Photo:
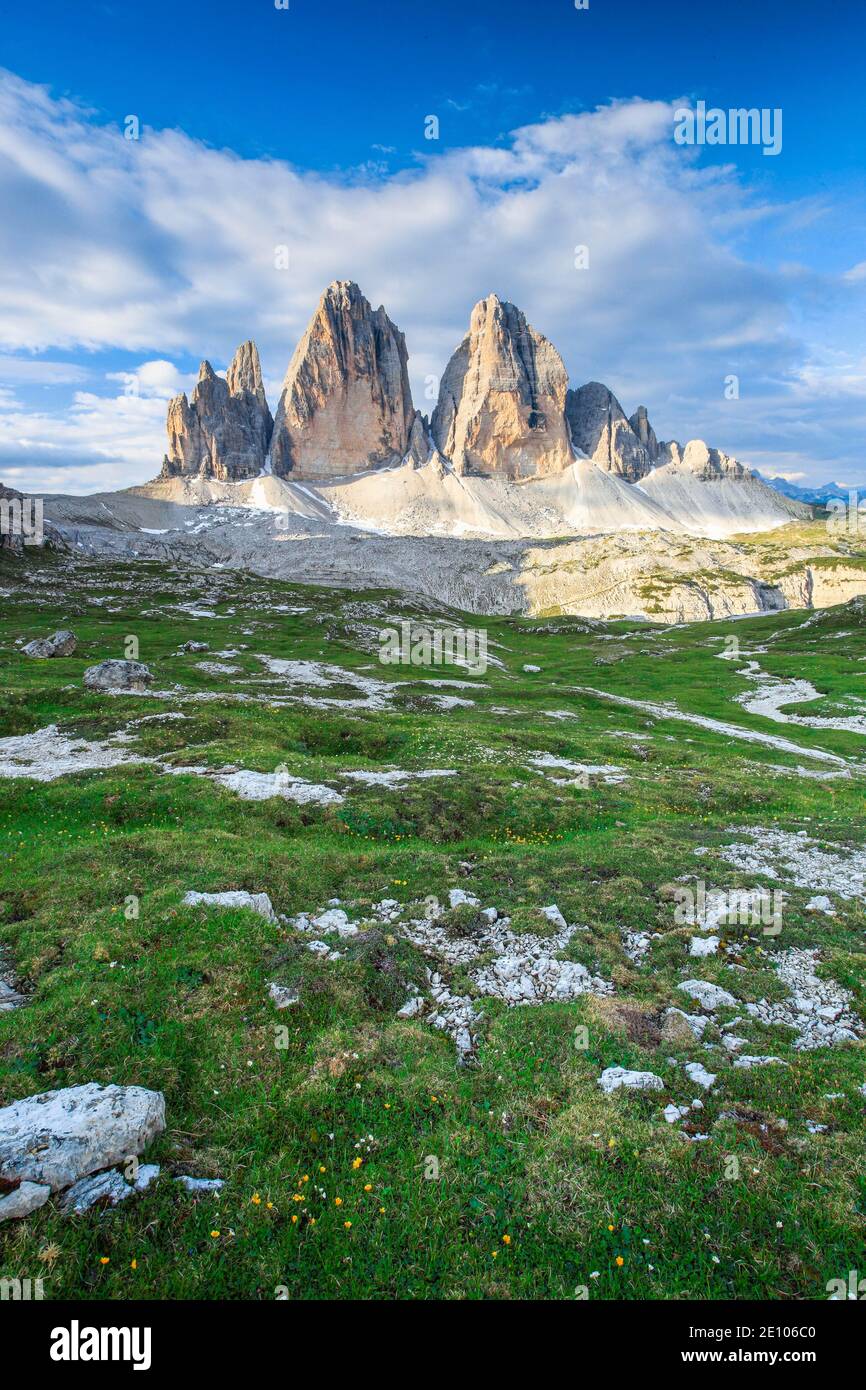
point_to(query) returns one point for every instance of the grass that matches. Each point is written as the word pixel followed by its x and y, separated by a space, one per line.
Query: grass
pixel 125 984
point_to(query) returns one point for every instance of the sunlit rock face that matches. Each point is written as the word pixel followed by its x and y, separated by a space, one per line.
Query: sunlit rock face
pixel 501 407
pixel 700 461
pixel 346 405
pixel 225 429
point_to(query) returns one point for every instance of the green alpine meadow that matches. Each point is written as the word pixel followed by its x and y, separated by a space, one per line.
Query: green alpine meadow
pixel 409 1072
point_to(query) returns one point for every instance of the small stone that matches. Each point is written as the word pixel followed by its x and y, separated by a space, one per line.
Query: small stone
pixel 680 1027
pixel 708 995
pixel 748 1061
pixel 61 643
pixel 820 903
pixel 9 998
pixel 412 1007
pixel 282 996
pixel 109 1188
pixel 612 1078
pixel 697 1072
pixel 553 914
pixel 199 1184
pixel 457 897
pixel 147 1173
pixel 672 1113
pixel 27 1197
pixel 254 902
pixel 118 675
pixel 335 920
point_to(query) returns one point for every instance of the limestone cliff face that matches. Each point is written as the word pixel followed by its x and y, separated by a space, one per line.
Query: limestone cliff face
pixel 225 429
pixel 599 427
pixel 501 407
pixel 346 405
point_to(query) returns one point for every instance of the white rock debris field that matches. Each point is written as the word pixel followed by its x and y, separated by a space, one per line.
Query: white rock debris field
pixel 524 969
pixel 515 968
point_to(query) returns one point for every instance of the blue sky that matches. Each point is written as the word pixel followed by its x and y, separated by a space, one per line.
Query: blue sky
pixel 125 262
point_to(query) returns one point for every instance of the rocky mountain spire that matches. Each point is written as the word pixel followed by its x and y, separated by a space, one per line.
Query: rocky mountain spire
pixel 599 427
pixel 244 376
pixel 224 430
pixel 504 408
pixel 502 398
pixel 346 405
pixel 646 434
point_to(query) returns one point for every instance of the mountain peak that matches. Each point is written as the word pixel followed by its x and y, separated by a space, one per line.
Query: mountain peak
pixel 501 407
pixel 600 429
pixel 245 373
pixel 646 434
pixel 346 404
pixel 224 429
pixel 504 407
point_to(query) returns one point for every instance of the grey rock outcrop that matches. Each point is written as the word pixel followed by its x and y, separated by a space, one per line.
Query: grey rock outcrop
pixel 419 447
pixel 224 430
pixel 118 675
pixel 501 407
pixel 62 643
pixel 645 433
pixel 346 405
pixel 600 429
pixel 57 1138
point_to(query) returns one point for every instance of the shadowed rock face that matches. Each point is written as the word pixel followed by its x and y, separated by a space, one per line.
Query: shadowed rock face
pixel 646 434
pixel 346 404
pixel 224 430
pixel 502 398
pixel 599 427
pixel 419 448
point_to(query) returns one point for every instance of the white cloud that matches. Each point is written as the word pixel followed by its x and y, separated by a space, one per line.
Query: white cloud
pixel 158 379
pixel 98 444
pixel 165 247
pixel 38 371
